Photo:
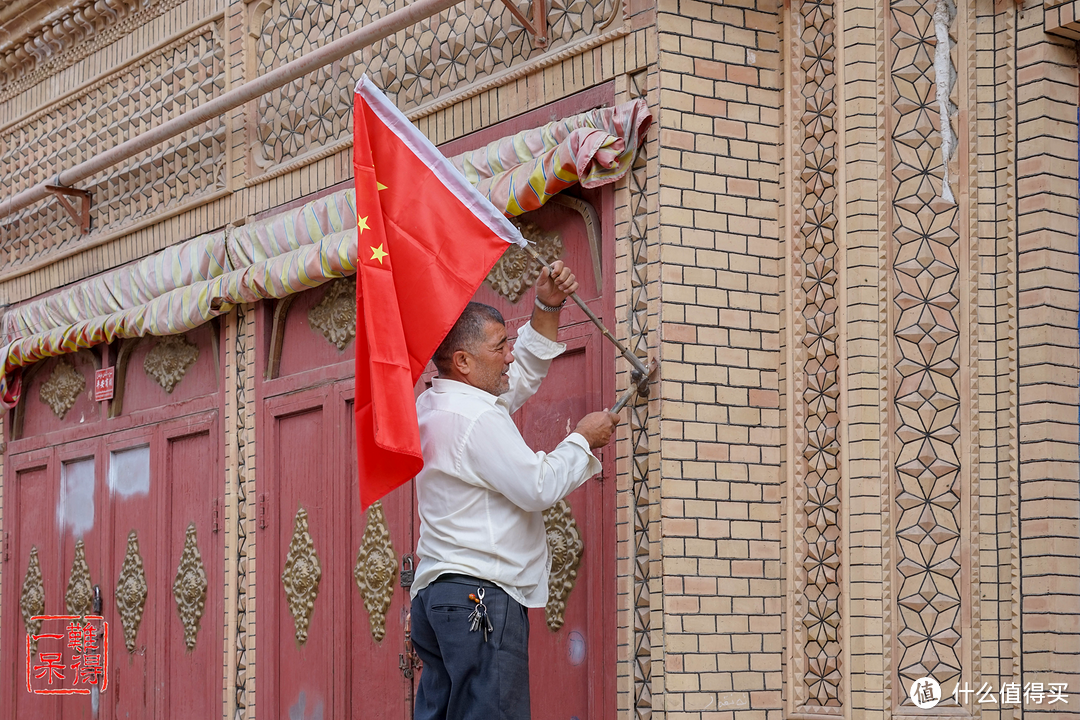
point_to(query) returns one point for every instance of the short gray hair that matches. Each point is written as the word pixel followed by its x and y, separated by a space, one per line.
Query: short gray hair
pixel 469 330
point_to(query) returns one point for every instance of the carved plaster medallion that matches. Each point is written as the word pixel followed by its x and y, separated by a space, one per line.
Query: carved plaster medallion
pixel 170 360
pixel 62 388
pixel 189 588
pixel 516 271
pixel 80 593
pixel 301 576
pixel 376 568
pixel 565 546
pixel 335 315
pixel 131 591
pixel 32 601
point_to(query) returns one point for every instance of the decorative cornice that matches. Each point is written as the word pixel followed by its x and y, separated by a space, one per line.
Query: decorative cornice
pixel 65 40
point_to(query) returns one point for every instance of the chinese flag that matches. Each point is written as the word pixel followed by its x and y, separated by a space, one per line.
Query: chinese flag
pixel 426 239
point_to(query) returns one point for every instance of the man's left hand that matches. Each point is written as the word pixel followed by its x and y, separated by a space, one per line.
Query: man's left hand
pixel 553 288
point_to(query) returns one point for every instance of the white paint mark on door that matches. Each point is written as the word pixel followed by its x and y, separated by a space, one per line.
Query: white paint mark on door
pixel 76 507
pixel 129 472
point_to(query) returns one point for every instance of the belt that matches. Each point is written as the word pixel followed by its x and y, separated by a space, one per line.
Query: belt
pixel 459 579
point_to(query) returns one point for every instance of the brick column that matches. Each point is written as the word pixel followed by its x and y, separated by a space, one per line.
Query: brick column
pixel 720 434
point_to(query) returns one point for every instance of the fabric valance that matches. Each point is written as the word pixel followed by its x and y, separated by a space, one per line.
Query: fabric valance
pixel 184 286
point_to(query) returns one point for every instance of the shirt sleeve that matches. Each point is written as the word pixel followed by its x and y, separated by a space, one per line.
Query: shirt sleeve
pixel 496 456
pixel 533 354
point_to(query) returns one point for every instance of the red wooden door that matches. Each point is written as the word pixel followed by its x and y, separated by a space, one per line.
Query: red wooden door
pixel 348 664
pixel 346 660
pixel 107 504
pixel 572 659
pixel 340 660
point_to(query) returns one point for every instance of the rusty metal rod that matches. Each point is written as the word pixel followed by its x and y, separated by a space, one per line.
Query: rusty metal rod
pixel 624 398
pixel 353 42
pixel 633 359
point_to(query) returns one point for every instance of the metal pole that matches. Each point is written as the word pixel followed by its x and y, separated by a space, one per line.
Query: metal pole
pixel 633 359
pixel 353 42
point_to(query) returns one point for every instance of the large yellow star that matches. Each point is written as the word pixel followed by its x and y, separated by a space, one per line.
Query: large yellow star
pixel 379 185
pixel 361 224
pixel 377 253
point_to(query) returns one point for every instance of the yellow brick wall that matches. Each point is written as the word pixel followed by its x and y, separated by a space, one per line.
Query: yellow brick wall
pixel 720 426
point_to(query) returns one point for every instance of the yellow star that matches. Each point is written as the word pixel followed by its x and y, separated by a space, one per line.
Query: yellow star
pixel 379 185
pixel 361 224
pixel 377 253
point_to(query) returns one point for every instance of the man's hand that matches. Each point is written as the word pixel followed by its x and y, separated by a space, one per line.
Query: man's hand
pixel 553 288
pixel 597 428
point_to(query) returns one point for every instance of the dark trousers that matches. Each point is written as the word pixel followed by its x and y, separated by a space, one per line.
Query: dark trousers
pixel 465 678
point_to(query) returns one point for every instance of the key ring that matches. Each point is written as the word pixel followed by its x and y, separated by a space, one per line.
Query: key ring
pixel 480 595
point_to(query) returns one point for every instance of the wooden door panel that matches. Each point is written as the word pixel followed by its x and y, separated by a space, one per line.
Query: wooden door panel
pixel 191 687
pixel 30 502
pixel 37 417
pixel 133 501
pixel 297 465
pixel 378 688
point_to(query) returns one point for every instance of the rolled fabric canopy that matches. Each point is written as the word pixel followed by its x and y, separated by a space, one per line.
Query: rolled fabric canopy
pixel 521 172
pixel 325 249
pixel 182 287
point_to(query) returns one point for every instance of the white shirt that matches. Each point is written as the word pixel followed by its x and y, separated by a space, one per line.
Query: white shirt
pixel 482 490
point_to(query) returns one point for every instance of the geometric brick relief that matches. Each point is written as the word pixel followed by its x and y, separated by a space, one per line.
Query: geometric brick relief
pixel 641 495
pixel 170 81
pixel 817 531
pixel 438 55
pixel 925 252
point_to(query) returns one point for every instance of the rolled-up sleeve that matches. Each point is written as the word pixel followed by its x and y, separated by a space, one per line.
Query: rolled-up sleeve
pixel 495 456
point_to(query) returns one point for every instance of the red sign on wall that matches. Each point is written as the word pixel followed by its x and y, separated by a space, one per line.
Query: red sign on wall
pixel 103 384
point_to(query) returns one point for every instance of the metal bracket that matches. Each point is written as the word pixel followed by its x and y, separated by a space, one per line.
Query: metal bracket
pixel 538 27
pixel 80 215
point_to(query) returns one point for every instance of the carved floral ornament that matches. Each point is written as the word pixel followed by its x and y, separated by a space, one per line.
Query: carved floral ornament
pixel 565 547
pixel 376 568
pixel 335 315
pixel 79 598
pixel 170 359
pixel 32 601
pixel 131 591
pixel 189 587
pixel 516 271
pixel 301 576
pixel 63 387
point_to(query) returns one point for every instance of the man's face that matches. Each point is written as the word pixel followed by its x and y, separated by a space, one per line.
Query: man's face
pixel 492 359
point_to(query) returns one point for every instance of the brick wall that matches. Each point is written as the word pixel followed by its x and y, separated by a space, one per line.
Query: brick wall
pixel 720 433
pixel 1046 182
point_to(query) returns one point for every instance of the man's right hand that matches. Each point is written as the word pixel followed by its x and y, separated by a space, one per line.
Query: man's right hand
pixel 597 428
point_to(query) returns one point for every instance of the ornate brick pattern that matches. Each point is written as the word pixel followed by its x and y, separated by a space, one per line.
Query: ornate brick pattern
pixel 817 390
pixel 244 357
pixel 446 52
pixel 926 393
pixel 638 319
pixel 181 76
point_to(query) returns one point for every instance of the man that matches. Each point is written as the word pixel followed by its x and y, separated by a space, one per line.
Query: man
pixel 481 494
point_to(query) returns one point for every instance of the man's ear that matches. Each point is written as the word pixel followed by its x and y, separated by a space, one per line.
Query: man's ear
pixel 460 360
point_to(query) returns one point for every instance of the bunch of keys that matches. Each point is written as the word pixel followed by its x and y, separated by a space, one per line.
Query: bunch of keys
pixel 479 617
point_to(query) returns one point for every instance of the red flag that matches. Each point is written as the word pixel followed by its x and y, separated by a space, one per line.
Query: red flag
pixel 426 239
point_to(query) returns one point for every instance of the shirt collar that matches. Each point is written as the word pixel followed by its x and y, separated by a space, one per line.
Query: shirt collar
pixel 446 386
